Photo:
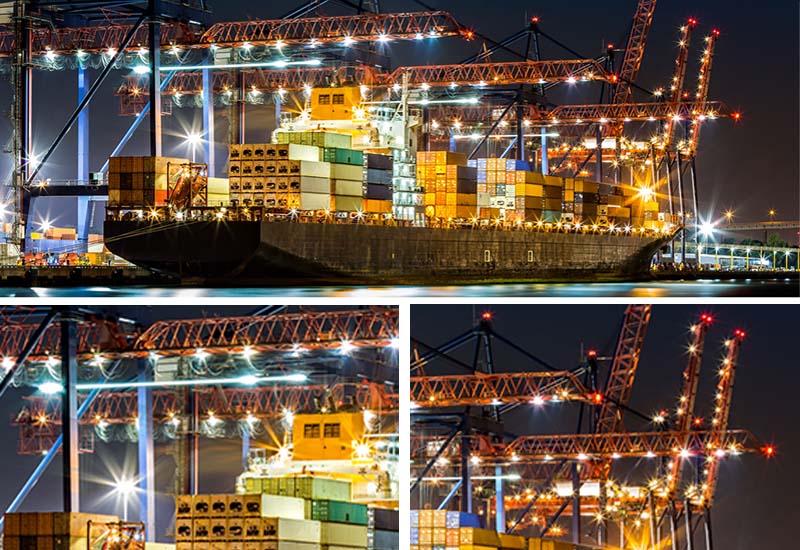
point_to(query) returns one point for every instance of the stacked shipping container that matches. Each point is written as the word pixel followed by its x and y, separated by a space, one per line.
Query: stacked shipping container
pixel 50 530
pixel 450 185
pixel 139 181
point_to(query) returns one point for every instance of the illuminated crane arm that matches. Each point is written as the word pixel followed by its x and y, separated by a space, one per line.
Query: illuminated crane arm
pixel 372 27
pixel 678 77
pixel 684 412
pixel 715 446
pixel 495 389
pixel 634 50
pixel 499 74
pixel 623 368
pixel 701 95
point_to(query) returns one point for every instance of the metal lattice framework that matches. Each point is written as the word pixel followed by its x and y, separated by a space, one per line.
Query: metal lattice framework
pixel 93 336
pixel 684 412
pixel 623 368
pixel 495 389
pixel 544 448
pixel 634 444
pixel 703 79
pixel 366 27
pixel 634 50
pixel 93 39
pixel 225 403
pixel 719 421
pixel 498 74
pixel 627 112
pixel 679 75
pixel 325 330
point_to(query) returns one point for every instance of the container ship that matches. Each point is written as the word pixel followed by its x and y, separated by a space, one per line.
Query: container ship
pixel 341 195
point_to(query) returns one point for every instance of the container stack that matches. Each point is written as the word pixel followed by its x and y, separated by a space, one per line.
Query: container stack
pixel 317 138
pixel 50 530
pixel 383 529
pixel 311 513
pixel 139 181
pixel 508 189
pixel 282 176
pixel 377 188
pixel 451 186
pixel 347 173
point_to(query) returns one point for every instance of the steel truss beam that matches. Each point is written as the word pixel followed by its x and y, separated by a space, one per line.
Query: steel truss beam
pixel 634 50
pixel 368 328
pixel 364 27
pixel 495 389
pixel 41 416
pixel 543 448
pixel 623 369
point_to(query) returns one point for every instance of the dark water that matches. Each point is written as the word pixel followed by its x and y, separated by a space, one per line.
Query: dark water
pixel 709 288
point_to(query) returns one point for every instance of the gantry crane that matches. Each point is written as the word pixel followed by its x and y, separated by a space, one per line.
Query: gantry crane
pixel 542 459
pixel 353 343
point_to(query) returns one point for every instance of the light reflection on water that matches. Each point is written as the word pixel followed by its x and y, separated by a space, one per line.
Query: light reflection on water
pixel 702 289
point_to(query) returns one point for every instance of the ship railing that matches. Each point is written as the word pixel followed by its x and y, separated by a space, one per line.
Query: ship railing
pixel 258 213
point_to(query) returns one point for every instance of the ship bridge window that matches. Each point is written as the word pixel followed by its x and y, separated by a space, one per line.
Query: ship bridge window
pixel 324 99
pixel 311 431
pixel 332 430
pixel 338 99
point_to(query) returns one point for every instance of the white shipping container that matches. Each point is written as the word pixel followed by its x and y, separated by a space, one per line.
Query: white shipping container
pixel 347 172
pixel 274 506
pixel 297 530
pixel 334 547
pixel 218 185
pixel 303 152
pixel 352 188
pixel 315 168
pixel 343 534
pixel 484 199
pixel 315 201
pixel 311 184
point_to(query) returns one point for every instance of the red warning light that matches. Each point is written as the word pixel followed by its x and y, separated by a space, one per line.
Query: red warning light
pixel 706 318
pixel 592 353
pixel 469 35
pixel 486 316
pixel 535 19
pixel 610 47
pixel 715 32
pixel 739 333
pixel 698 421
pixel 737 116
pixel 614 78
pixel 692 21
pixel 597 397
pixel 769 451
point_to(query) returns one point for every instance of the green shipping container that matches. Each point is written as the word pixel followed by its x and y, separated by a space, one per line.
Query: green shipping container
pixel 339 512
pixel 343 156
pixel 252 485
pixel 319 488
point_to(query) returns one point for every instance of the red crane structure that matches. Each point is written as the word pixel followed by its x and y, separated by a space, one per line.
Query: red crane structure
pixel 537 462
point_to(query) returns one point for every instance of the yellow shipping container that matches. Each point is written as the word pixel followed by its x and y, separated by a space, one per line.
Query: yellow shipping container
pixel 511 542
pixel 426 518
pixel 472 535
pixel 426 535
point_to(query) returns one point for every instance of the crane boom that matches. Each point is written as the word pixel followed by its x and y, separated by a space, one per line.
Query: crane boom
pixel 685 409
pixel 634 50
pixel 703 79
pixel 679 76
pixel 716 447
pixel 623 368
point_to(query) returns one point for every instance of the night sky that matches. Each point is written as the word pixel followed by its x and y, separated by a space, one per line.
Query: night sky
pixel 754 506
pixel 220 459
pixel 751 167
